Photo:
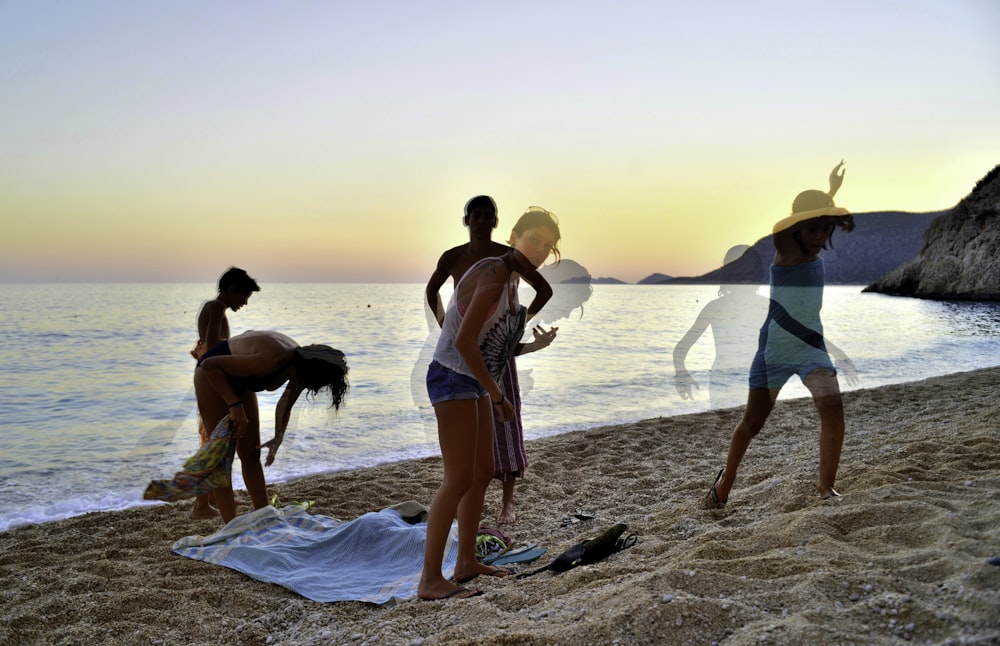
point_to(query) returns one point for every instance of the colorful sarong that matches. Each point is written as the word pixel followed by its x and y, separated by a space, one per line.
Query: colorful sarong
pixel 210 468
pixel 196 352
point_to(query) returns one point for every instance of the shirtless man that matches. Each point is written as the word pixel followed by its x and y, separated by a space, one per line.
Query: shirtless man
pixel 235 289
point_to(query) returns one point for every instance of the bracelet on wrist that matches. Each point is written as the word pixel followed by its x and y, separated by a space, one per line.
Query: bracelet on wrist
pixel 234 405
pixel 499 402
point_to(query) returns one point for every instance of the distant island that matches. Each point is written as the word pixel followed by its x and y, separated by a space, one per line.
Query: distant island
pixel 655 279
pixel 570 272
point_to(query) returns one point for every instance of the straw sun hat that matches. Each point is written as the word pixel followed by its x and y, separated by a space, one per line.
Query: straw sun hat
pixel 807 206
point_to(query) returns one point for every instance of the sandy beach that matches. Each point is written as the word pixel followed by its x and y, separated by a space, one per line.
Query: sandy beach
pixel 903 557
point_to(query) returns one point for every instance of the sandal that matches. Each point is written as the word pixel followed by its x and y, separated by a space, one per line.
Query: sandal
pixel 712 499
pixel 572 519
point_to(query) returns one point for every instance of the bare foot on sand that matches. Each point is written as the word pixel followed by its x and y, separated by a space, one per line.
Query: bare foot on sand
pixel 203 511
pixel 466 575
pixel 447 591
pixel 507 515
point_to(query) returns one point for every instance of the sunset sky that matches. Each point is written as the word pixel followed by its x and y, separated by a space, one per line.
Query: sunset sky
pixel 336 141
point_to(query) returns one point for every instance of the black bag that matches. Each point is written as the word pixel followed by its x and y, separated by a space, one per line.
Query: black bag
pixel 590 551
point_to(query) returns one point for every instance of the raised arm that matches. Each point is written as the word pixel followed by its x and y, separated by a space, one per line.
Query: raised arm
pixel 543 291
pixel 787 249
pixel 836 178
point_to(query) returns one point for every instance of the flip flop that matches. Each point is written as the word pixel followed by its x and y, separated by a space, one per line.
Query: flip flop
pixel 524 554
pixel 833 495
pixel 572 519
pixel 712 500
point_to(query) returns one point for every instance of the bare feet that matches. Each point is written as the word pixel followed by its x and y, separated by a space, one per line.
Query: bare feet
pixel 204 512
pixel 507 516
pixel 452 592
pixel 479 568
pixel 204 507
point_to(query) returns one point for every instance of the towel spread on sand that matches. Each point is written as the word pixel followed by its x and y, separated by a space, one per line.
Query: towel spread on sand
pixel 376 557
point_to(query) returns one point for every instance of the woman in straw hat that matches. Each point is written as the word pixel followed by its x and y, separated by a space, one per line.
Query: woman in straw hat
pixel 791 339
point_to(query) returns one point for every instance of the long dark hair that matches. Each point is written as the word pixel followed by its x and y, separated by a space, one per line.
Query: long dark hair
pixel 320 367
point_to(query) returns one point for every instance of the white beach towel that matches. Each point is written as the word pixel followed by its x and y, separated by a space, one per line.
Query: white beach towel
pixel 375 558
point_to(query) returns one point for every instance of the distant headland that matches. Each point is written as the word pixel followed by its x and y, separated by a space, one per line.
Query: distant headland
pixel 953 254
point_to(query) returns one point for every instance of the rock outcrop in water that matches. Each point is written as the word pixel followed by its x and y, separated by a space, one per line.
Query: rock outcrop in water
pixel 960 257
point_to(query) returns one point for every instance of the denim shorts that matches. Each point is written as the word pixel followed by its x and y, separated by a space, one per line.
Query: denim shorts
pixel 444 384
pixel 773 377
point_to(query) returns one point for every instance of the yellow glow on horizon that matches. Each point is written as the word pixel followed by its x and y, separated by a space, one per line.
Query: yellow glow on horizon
pixel 346 152
pixel 616 224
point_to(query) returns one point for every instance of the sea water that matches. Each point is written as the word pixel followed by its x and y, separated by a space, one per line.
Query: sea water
pixel 96 397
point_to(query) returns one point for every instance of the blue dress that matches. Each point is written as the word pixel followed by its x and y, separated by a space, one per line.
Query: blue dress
pixel 791 339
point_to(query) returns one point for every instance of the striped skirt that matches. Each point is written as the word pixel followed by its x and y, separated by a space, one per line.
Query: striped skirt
pixel 508 445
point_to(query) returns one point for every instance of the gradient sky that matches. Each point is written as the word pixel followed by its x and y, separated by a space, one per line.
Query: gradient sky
pixel 335 141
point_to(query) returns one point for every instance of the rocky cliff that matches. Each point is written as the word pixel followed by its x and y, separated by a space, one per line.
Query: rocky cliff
pixel 960 256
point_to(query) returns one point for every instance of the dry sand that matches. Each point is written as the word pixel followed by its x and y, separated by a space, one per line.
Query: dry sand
pixel 902 558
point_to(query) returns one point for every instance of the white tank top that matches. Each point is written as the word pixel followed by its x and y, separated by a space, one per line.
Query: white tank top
pixel 499 336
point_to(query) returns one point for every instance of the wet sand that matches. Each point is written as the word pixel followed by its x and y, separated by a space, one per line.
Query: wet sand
pixel 903 557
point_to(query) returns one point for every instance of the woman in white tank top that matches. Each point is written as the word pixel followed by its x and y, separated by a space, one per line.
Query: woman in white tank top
pixel 481 330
